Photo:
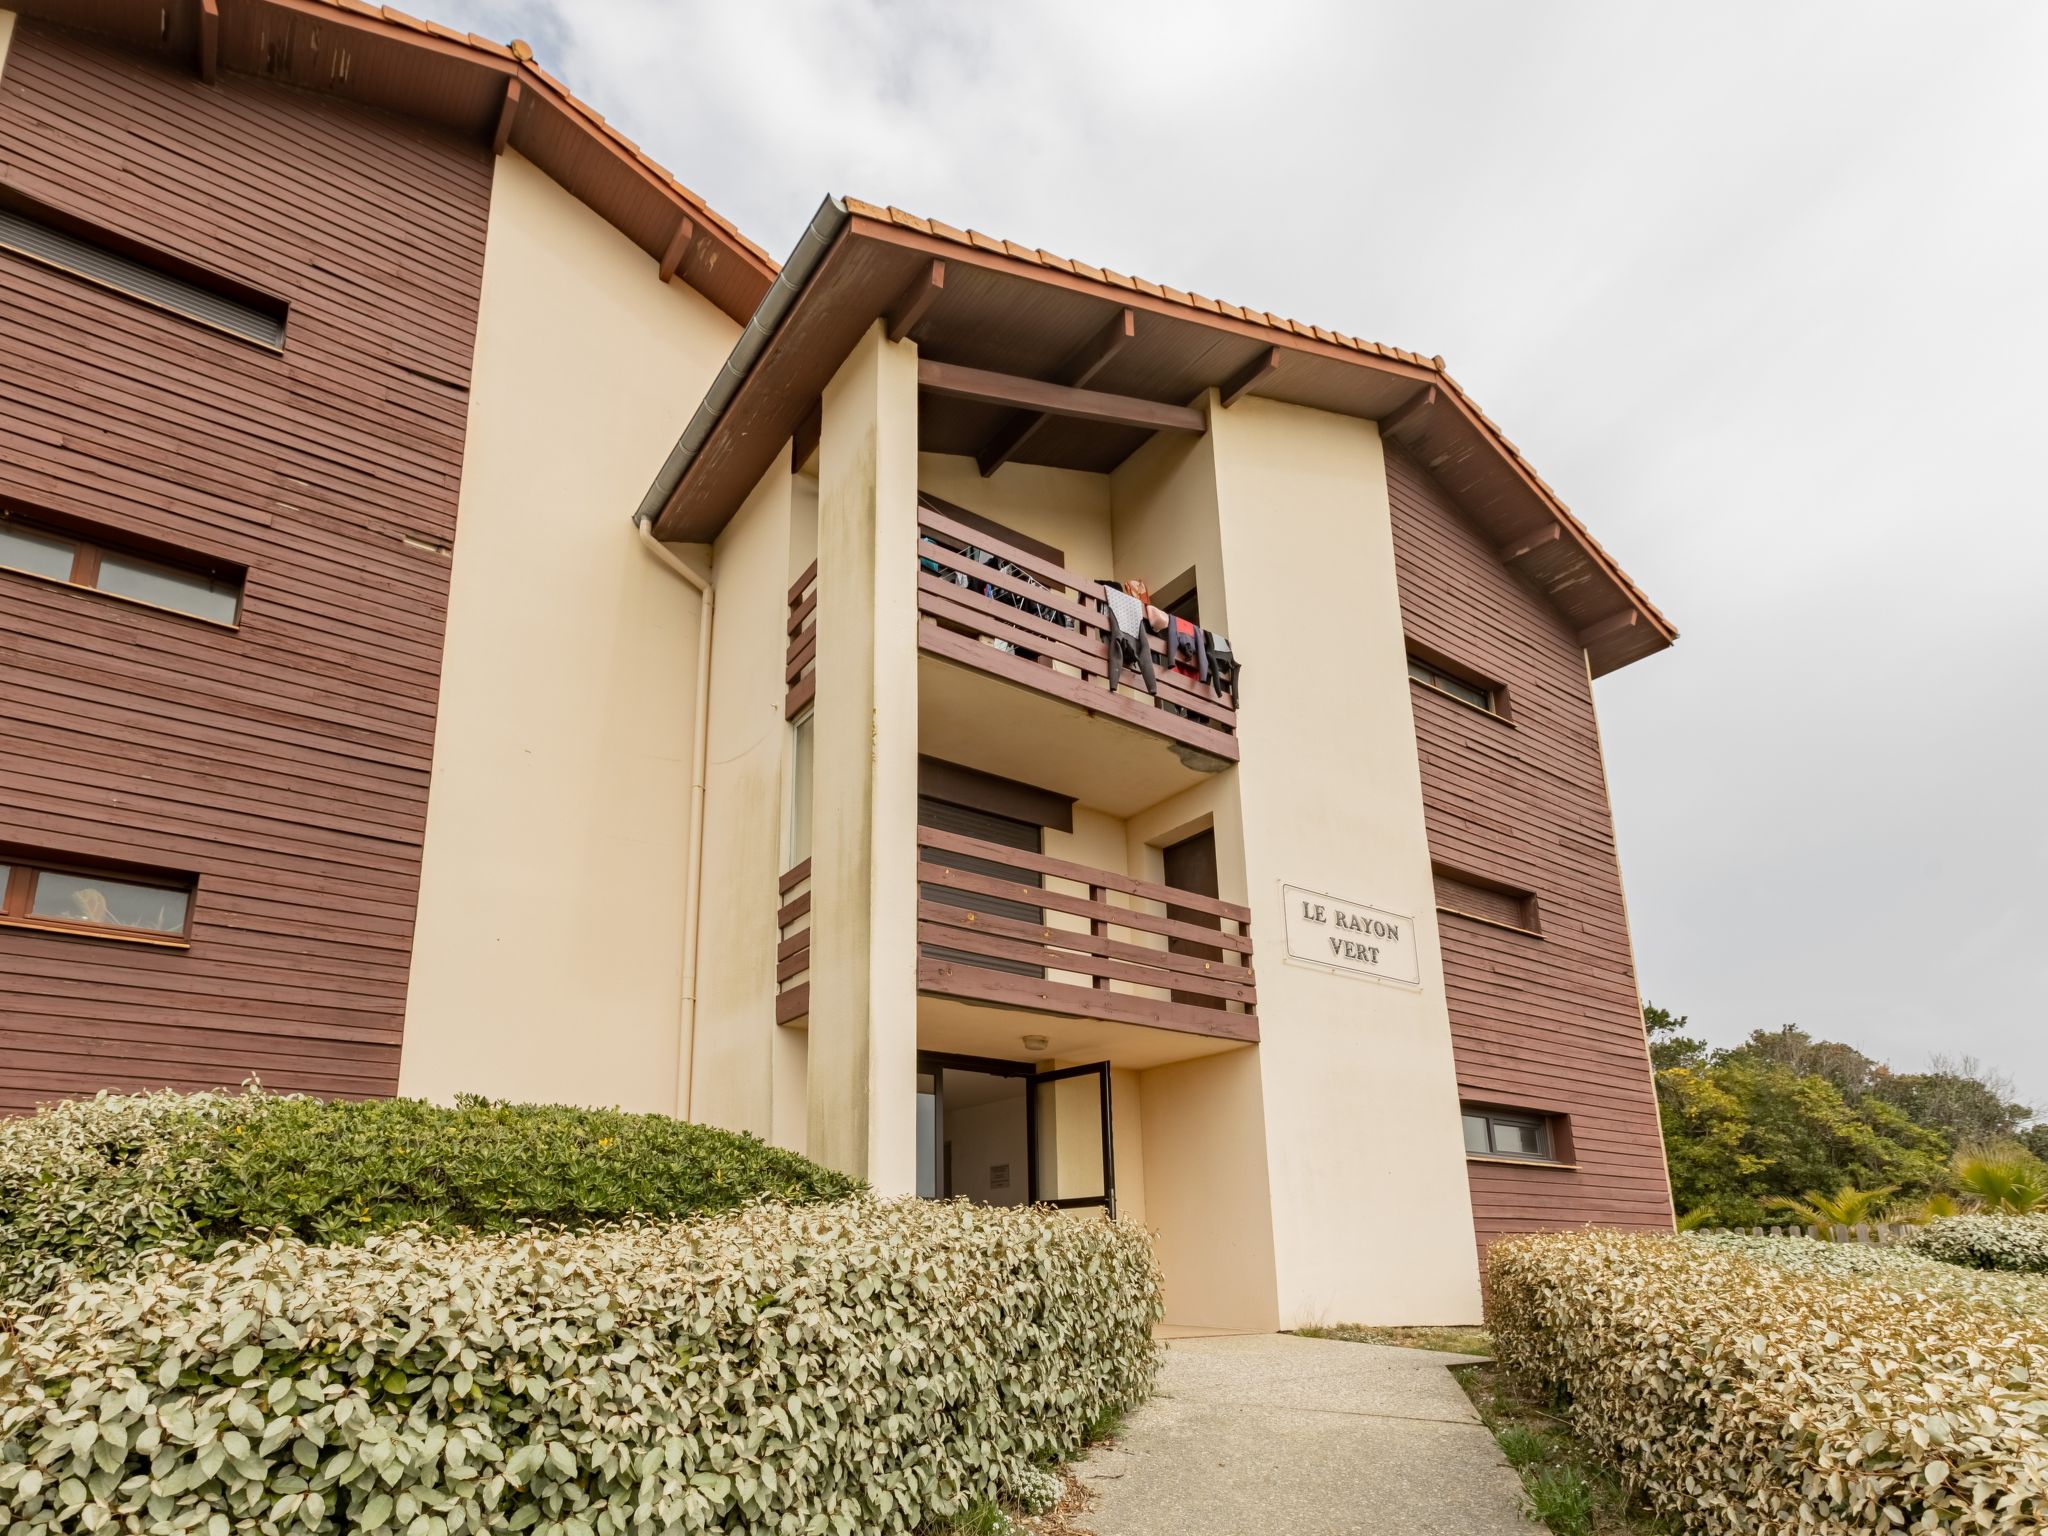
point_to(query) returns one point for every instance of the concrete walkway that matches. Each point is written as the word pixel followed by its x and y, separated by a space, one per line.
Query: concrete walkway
pixel 1268 1433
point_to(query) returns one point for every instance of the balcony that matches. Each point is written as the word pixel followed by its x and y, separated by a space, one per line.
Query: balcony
pixel 1000 926
pixel 1051 662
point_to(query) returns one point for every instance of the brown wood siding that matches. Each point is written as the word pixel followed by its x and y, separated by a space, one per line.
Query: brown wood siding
pixel 1546 1023
pixel 284 764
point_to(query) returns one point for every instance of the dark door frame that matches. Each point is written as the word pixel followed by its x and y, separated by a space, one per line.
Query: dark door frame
pixel 936 1062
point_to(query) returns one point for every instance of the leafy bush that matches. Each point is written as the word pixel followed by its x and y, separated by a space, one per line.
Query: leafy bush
pixel 86 1185
pixel 856 1366
pixel 1832 1396
pixel 2018 1243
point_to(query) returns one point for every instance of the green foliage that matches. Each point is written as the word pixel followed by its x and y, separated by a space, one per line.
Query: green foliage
pixel 1523 1447
pixel 1966 1102
pixel 2004 1180
pixel 2018 1243
pixel 1561 1498
pixel 1846 1207
pixel 843 1367
pixel 86 1185
pixel 1834 1389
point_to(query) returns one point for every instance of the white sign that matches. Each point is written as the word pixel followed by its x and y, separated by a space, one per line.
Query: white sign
pixel 1349 936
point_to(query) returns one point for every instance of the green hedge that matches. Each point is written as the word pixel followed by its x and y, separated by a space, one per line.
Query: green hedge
pixel 85 1185
pixel 834 1368
pixel 1835 1393
pixel 2016 1243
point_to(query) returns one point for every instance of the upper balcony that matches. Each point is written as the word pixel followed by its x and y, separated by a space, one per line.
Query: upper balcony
pixel 992 612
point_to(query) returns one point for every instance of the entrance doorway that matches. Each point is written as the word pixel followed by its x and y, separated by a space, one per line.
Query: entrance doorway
pixel 1004 1133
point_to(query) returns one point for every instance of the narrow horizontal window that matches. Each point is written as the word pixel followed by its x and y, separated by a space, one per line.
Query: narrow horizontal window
pixel 95 256
pixel 1465 690
pixel 201 589
pixel 1498 1133
pixel 1487 900
pixel 62 897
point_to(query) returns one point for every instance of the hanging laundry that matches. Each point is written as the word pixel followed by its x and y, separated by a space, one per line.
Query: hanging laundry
pixel 1125 633
pixel 1224 670
pixel 1184 648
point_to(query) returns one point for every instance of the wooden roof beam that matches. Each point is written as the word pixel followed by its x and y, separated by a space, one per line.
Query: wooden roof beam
pixel 507 114
pixel 209 40
pixel 1257 371
pixel 1407 411
pixel 1529 544
pixel 1089 359
pixel 1606 629
pixel 678 248
pixel 911 304
pixel 979 384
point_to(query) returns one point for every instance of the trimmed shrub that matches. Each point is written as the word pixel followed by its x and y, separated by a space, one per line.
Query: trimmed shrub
pixel 2017 1243
pixel 1834 1397
pixel 86 1185
pixel 858 1366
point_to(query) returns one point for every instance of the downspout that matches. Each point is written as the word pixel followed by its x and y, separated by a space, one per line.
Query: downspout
pixel 693 878
pixel 824 229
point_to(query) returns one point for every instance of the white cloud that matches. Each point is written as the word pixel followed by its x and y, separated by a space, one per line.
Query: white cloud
pixel 1759 289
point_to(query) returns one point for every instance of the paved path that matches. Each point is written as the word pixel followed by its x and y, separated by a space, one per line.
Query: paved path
pixel 1268 1433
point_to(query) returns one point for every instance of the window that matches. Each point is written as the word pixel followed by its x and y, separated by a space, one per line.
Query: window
pixel 1498 1133
pixel 73 898
pixel 65 244
pixel 77 560
pixel 802 749
pixel 1479 695
pixel 1488 901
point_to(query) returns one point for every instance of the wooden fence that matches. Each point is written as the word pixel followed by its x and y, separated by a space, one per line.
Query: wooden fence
pixel 1862 1232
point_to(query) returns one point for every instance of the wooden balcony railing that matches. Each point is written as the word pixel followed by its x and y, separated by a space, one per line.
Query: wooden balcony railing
pixel 1071 649
pixel 793 946
pixel 800 661
pixel 1185 963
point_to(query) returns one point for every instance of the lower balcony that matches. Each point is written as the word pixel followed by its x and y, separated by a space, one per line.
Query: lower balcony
pixel 1003 928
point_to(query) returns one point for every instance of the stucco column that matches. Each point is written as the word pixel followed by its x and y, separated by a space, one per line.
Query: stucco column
pixel 6 36
pixel 863 1051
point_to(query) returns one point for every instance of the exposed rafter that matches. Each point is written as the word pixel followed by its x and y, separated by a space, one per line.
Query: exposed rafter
pixel 1057 399
pixel 1088 360
pixel 1531 543
pixel 911 304
pixel 1255 372
pixel 805 441
pixel 678 248
pixel 507 114
pixel 209 40
pixel 1408 411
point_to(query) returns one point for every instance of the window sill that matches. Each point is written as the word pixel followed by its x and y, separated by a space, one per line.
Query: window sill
pixel 1490 922
pixel 127 602
pixel 104 935
pixel 1521 1162
pixel 1477 709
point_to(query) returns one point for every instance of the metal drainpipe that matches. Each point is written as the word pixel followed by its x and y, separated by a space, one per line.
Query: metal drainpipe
pixel 693 885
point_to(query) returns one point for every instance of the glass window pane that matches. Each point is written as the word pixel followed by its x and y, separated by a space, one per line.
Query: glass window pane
pixel 39 553
pixel 1069 1155
pixel 1475 1135
pixel 801 750
pixel 1516 1138
pixel 207 597
pixel 108 903
pixel 927 1137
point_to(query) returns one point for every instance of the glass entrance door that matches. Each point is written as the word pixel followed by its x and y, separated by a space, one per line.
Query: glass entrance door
pixel 1000 1133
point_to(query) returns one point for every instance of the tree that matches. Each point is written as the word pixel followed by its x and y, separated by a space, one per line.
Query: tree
pixel 1793 1048
pixel 1966 1101
pixel 1846 1207
pixel 1668 1046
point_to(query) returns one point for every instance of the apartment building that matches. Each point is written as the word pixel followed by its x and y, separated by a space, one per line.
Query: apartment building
pixel 1029 733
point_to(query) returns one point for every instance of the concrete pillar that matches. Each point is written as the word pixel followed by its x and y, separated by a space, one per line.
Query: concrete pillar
pixel 861 1091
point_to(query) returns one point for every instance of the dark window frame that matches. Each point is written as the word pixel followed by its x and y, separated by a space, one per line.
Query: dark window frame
pixel 89 545
pixel 24 866
pixel 119 264
pixel 1433 670
pixel 1531 907
pixel 1549 1134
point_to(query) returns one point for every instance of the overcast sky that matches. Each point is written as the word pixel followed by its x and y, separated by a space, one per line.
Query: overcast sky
pixel 1761 290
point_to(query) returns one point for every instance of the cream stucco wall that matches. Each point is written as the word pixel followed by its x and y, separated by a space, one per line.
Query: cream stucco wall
pixel 1371 1218
pixel 735 1078
pixel 1062 507
pixel 863 1022
pixel 547 954
pixel 6 37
